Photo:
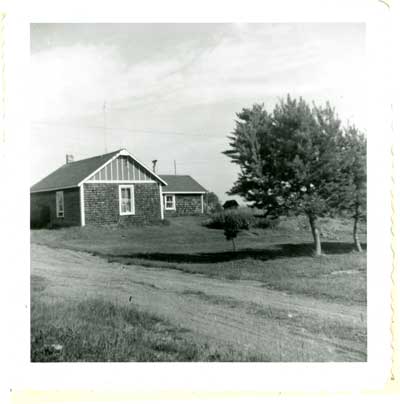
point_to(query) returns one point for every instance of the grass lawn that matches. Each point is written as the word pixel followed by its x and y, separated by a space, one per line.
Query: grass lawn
pixel 280 258
pixel 99 331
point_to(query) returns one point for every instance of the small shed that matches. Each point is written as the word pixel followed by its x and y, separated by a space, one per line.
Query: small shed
pixel 183 196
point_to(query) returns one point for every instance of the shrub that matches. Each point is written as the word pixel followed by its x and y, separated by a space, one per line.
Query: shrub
pixel 215 221
pixel 266 222
pixel 232 222
pixel 244 220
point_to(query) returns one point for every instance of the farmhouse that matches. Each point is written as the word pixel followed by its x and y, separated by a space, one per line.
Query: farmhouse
pixel 183 196
pixel 113 188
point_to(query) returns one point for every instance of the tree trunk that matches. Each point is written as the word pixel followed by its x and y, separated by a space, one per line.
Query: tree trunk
pixel 316 235
pixel 233 244
pixel 357 243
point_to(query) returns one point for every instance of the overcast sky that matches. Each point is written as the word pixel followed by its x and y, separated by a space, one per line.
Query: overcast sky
pixel 172 90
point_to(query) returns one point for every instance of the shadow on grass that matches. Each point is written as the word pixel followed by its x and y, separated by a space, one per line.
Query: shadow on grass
pixel 273 252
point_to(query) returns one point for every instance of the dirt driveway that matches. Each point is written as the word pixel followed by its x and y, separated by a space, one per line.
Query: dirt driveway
pixel 244 314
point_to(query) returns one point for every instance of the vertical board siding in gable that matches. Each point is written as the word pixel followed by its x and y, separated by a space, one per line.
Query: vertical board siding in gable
pixel 142 176
pixel 131 172
pixel 122 168
pixel 103 174
pixel 120 174
pixel 136 170
pixel 125 168
pixel 114 170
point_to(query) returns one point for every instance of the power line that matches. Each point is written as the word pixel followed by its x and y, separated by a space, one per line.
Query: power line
pixel 145 131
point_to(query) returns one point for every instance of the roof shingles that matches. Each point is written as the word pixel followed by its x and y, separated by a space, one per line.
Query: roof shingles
pixel 181 184
pixel 71 174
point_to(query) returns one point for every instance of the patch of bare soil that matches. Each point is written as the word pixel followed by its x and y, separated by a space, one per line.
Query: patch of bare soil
pixel 244 314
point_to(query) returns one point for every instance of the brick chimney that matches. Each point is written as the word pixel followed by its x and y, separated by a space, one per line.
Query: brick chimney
pixel 154 165
pixel 69 158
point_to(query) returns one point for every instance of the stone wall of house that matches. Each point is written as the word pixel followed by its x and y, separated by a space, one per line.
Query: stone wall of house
pixel 185 205
pixel 43 209
pixel 102 204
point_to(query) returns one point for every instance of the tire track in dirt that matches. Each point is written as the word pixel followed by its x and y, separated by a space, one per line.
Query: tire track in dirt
pixel 76 275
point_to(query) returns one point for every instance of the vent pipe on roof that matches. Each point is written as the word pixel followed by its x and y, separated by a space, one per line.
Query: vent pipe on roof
pixel 69 158
pixel 154 165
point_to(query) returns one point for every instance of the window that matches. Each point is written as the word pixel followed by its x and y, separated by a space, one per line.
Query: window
pixel 126 200
pixel 169 202
pixel 60 203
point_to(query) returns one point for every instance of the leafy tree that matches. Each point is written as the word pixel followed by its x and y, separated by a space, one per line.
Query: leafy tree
pixel 288 159
pixel 352 191
pixel 213 203
pixel 251 126
pixel 232 227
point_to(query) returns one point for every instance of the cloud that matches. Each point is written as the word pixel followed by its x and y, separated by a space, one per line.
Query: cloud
pixel 259 61
pixel 72 81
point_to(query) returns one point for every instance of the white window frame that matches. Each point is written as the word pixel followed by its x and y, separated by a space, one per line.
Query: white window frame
pixel 132 188
pixel 60 212
pixel 173 202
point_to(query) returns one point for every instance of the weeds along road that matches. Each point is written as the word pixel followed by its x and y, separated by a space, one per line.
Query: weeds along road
pixel 244 314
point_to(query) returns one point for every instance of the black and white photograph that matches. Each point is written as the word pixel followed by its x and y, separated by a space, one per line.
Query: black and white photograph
pixel 199 201
pixel 198 192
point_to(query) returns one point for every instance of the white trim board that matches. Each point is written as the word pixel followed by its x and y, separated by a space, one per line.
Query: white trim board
pixel 82 204
pixel 54 189
pixel 161 202
pixel 181 192
pixel 119 182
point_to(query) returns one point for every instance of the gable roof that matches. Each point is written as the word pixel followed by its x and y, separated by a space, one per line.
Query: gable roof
pixel 73 174
pixel 181 184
